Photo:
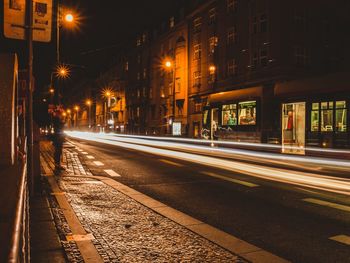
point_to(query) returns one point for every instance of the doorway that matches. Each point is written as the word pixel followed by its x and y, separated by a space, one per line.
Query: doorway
pixel 293 128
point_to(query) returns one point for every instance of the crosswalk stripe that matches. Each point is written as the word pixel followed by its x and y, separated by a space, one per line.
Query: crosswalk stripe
pixel 98 163
pixel 229 179
pixel 112 173
pixel 90 157
pixel 328 204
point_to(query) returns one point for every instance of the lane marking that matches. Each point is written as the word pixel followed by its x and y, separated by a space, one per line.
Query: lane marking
pixel 90 157
pixel 229 179
pixel 112 173
pixel 328 204
pixel 98 163
pixel 170 162
pixel 341 239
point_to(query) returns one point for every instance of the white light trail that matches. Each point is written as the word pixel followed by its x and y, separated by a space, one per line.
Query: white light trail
pixel 311 180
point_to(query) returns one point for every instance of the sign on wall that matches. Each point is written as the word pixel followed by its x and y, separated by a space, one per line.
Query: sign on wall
pixel 177 128
pixel 14 19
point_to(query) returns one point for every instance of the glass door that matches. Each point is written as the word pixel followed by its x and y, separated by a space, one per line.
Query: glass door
pixel 214 123
pixel 293 128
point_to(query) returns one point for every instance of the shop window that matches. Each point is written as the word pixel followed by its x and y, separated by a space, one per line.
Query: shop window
pixel 340 116
pixel 315 117
pixel 229 114
pixel 327 116
pixel 247 113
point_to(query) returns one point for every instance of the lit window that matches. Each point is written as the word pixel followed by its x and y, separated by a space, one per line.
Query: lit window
pixel 229 114
pixel 212 16
pixel 340 116
pixel 197 52
pixel 213 43
pixel 315 117
pixel 138 111
pixel 247 113
pixel 126 66
pixel 172 22
pixel 197 78
pixel 231 5
pixel 197 24
pixel 231 67
pixel 162 92
pixel 231 35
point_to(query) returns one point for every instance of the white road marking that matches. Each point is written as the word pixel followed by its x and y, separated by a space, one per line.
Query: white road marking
pixel 229 179
pixel 112 173
pixel 341 239
pixel 90 157
pixel 328 204
pixel 170 162
pixel 98 163
pixel 80 150
pixel 84 153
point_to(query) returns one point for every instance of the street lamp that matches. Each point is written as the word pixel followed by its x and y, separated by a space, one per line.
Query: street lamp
pixel 172 66
pixel 76 108
pixel 107 93
pixel 88 103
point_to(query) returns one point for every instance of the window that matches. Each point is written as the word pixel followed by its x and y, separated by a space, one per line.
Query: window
pixel 300 56
pixel 213 43
pixel 340 116
pixel 144 92
pixel 255 60
pixel 263 23
pixel 263 58
pixel 197 107
pixel 162 92
pixel 172 22
pixel 138 93
pixel 139 59
pixel 247 113
pixel 197 51
pixel 315 117
pixel 197 24
pixel 144 38
pixel 212 71
pixel 144 73
pixel 138 76
pixel 212 16
pixel 138 112
pixel 231 67
pixel 229 114
pixel 178 85
pixel 254 25
pixel 170 88
pixel 197 78
pixel 231 35
pixel 231 5
pixel 150 92
pixel 328 116
pixel 138 41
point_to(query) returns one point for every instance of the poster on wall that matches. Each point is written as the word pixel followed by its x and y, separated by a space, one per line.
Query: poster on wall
pixel 176 128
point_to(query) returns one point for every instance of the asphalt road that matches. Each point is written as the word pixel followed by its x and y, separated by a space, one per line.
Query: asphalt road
pixel 292 222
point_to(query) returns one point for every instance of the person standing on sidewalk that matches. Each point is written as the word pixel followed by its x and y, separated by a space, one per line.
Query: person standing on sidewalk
pixel 58 137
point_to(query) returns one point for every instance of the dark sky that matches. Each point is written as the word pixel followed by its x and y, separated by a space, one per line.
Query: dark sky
pixel 104 26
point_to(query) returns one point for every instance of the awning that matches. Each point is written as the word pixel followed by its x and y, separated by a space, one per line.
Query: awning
pixel 308 86
pixel 241 94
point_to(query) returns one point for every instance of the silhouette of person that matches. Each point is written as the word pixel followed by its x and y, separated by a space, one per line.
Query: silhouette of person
pixel 58 137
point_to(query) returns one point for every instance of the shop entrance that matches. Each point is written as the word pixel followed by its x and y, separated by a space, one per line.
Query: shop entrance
pixel 293 128
pixel 214 123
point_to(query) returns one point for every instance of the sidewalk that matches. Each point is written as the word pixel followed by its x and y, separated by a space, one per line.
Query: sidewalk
pixel 101 220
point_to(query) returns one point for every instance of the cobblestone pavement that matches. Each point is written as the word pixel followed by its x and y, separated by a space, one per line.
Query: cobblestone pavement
pixel 126 231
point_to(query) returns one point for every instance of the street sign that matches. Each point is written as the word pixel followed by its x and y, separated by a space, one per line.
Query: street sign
pixel 15 19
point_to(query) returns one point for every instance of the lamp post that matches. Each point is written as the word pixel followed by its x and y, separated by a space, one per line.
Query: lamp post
pixel 69 117
pixel 88 103
pixel 107 93
pixel 172 66
pixel 76 108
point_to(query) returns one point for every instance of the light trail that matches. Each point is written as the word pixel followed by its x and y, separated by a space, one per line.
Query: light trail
pixel 310 180
pixel 312 164
pixel 229 143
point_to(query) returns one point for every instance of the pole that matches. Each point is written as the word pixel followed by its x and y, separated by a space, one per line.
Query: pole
pixel 89 116
pixel 174 97
pixel 30 95
pixel 58 33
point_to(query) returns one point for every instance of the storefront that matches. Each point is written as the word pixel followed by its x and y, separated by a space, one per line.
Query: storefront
pixel 232 115
pixel 319 116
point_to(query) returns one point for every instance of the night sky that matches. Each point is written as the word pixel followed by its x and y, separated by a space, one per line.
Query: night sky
pixel 104 27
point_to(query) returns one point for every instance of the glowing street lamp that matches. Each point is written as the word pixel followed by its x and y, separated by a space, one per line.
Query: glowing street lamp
pixel 69 18
pixel 88 103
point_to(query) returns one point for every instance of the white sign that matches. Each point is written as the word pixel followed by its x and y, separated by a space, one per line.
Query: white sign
pixel 177 128
pixel 15 22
